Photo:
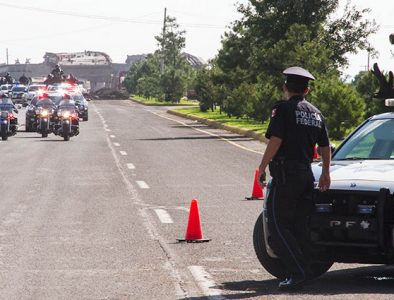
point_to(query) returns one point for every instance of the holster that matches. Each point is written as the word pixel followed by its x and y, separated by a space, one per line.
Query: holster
pixel 278 170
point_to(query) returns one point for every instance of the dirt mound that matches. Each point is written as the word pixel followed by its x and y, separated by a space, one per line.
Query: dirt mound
pixel 110 94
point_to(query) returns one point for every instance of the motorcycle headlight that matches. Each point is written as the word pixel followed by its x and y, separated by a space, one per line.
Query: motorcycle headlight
pixel 44 113
pixel 66 114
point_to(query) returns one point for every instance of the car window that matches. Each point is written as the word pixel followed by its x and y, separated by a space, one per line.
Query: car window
pixel 374 140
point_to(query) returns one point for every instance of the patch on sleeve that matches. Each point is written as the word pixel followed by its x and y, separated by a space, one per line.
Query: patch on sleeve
pixel 273 113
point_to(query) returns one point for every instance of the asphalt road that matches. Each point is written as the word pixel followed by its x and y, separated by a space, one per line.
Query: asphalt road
pixel 98 217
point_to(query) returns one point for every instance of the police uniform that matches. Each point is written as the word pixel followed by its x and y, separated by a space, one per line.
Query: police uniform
pixel 300 126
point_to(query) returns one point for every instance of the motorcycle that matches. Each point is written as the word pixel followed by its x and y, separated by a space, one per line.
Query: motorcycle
pixel 67 124
pixel 9 124
pixel 45 121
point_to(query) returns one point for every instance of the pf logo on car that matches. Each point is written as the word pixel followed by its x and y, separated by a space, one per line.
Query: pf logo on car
pixel 353 185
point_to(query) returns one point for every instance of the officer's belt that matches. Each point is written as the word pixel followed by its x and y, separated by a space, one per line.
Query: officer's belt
pixel 293 164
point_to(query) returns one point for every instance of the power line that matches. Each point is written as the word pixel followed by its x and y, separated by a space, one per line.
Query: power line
pixel 106 18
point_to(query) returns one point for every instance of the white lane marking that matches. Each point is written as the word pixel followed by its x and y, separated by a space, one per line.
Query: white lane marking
pixel 142 184
pixel 112 136
pixel 130 166
pixel 117 144
pixel 124 153
pixel 179 276
pixel 206 132
pixel 106 129
pixel 206 283
pixel 163 216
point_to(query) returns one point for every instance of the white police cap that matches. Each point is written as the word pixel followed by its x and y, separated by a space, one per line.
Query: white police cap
pixel 298 71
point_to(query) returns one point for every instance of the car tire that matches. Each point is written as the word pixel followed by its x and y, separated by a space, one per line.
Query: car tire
pixel 273 265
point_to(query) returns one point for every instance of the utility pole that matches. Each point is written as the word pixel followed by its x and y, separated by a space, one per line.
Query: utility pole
pixel 6 54
pixel 163 42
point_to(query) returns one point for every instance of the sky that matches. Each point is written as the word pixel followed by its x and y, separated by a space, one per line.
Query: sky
pixel 122 28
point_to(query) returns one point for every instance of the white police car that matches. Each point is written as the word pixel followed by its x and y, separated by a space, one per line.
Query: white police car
pixel 352 222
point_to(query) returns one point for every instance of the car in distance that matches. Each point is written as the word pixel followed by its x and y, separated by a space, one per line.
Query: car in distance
pixel 352 222
pixel 32 90
pixel 18 93
pixel 5 88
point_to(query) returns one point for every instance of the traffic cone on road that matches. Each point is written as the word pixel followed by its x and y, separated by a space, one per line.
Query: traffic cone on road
pixel 315 154
pixel 193 230
pixel 257 192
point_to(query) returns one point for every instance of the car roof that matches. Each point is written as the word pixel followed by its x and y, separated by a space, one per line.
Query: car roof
pixel 388 115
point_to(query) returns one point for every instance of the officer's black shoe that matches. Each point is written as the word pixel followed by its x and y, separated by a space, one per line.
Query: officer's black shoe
pixel 292 284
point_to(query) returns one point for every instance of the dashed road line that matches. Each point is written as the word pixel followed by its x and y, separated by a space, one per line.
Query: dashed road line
pixel 117 144
pixel 163 216
pixel 112 136
pixel 130 166
pixel 124 153
pixel 206 283
pixel 106 129
pixel 142 184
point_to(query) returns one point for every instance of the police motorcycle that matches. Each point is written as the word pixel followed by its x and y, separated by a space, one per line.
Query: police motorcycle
pixel 45 113
pixel 67 120
pixel 8 121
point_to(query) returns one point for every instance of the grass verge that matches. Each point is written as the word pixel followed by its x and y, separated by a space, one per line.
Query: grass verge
pixel 158 102
pixel 216 116
pixel 242 123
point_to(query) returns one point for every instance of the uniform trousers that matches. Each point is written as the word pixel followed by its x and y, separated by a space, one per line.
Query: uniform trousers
pixel 289 204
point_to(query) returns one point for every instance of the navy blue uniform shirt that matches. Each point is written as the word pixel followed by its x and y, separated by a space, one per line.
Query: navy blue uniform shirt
pixel 300 125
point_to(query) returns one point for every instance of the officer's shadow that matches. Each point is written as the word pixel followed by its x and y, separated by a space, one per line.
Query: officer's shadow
pixel 377 280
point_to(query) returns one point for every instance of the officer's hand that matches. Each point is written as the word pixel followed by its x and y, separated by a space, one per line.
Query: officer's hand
pixel 262 177
pixel 324 182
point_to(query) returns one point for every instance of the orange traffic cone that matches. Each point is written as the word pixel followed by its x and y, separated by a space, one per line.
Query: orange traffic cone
pixel 257 192
pixel 315 154
pixel 193 230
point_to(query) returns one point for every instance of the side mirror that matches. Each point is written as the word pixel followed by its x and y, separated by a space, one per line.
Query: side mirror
pixel 19 106
pixel 389 102
pixel 16 111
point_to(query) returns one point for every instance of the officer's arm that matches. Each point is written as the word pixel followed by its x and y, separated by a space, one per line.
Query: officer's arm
pixel 272 147
pixel 325 180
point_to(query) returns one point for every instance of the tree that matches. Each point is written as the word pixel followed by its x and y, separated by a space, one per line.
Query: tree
pixel 349 34
pixel 367 85
pixel 341 105
pixel 174 69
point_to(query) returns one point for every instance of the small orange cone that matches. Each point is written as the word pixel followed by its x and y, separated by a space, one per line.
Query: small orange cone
pixel 257 192
pixel 193 230
pixel 315 154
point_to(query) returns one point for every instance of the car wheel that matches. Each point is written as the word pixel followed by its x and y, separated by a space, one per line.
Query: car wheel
pixel 273 265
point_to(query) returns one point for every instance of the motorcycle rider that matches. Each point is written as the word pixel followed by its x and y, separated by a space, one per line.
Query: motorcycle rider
pixel 57 72
pixel 8 78
pixel 24 80
pixel 68 104
pixel 6 104
pixel 46 103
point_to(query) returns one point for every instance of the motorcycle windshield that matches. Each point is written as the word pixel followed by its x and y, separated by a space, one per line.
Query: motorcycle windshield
pixel 6 107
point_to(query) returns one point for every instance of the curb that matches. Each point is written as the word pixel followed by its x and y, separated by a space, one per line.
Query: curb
pixel 240 131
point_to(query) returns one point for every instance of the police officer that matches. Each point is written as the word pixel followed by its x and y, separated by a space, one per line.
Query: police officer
pixel 295 128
